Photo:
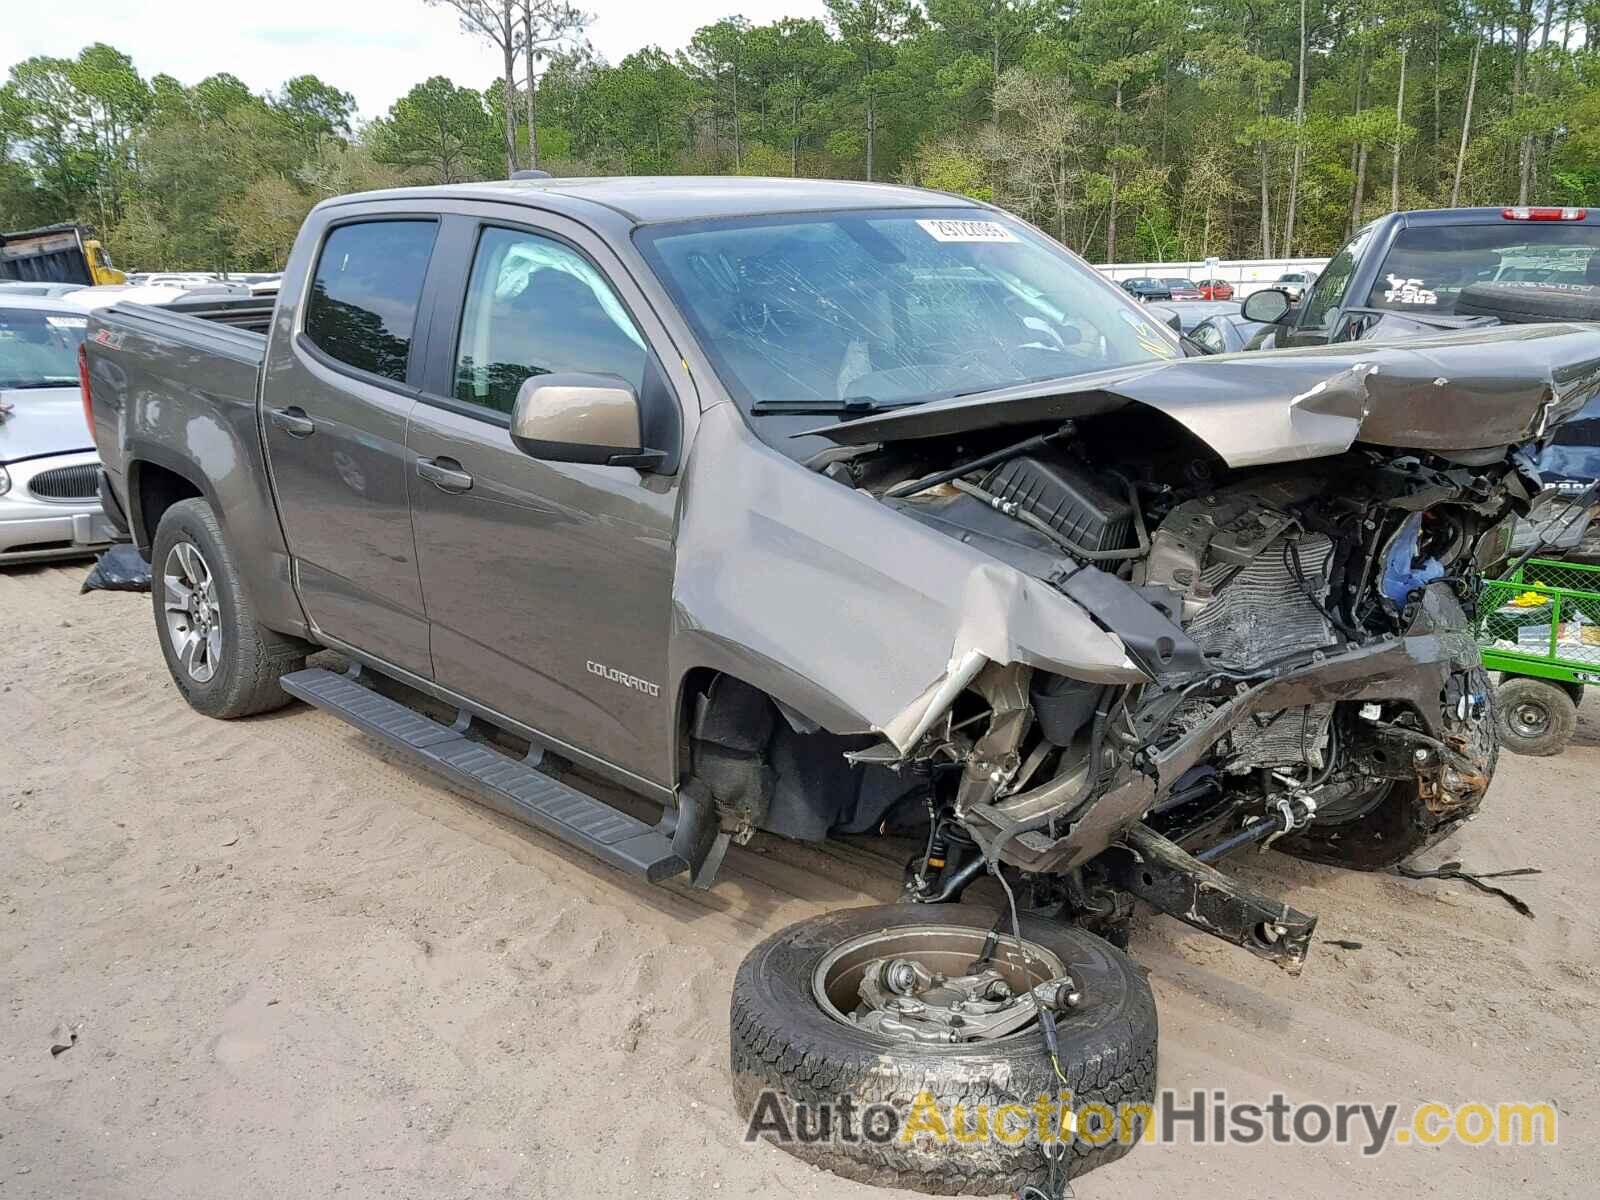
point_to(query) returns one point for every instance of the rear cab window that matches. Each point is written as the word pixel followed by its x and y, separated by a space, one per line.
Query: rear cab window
pixel 362 309
pixel 1427 266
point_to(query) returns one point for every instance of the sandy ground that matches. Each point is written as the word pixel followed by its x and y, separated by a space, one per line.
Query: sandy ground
pixel 297 967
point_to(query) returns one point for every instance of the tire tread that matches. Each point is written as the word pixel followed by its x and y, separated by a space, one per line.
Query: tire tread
pixel 1115 1062
pixel 255 657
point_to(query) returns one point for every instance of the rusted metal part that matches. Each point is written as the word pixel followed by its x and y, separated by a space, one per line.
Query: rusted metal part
pixel 1165 876
pixel 1449 779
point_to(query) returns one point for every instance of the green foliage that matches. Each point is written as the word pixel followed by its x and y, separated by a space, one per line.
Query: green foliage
pixel 444 132
pixel 948 167
pixel 1172 123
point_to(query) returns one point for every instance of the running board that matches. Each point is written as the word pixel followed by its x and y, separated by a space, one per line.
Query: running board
pixel 508 785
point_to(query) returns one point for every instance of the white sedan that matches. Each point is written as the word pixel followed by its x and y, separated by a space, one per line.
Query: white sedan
pixel 49 472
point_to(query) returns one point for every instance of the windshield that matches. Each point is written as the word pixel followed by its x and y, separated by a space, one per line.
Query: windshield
pixel 39 348
pixel 1178 283
pixel 886 307
pixel 1427 267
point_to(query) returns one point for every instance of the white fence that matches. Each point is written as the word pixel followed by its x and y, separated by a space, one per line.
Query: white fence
pixel 1246 274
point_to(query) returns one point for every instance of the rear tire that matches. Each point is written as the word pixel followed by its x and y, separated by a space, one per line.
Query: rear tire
pixel 785 1045
pixel 224 662
pixel 1537 717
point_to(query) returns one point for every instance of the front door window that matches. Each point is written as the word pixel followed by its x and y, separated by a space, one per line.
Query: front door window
pixel 536 307
pixel 1328 292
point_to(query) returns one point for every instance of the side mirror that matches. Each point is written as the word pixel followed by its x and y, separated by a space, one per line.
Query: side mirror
pixel 1270 305
pixel 581 418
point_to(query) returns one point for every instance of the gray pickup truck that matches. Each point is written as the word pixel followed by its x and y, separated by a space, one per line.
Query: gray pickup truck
pixel 837 509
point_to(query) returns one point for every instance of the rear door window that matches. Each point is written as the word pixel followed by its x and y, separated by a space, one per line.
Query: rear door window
pixel 1208 336
pixel 363 305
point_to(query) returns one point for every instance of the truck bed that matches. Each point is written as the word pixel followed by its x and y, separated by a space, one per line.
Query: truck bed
pixel 209 327
pixel 174 392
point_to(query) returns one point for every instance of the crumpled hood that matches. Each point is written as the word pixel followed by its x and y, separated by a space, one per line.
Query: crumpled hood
pixel 1457 391
pixel 42 421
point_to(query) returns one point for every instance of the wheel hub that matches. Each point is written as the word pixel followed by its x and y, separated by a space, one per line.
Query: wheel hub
pixel 192 612
pixel 939 985
pixel 1530 720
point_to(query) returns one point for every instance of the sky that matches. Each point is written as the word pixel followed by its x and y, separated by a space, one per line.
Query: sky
pixel 375 49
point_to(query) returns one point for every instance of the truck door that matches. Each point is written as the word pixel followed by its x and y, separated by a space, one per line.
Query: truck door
pixel 548 585
pixel 336 395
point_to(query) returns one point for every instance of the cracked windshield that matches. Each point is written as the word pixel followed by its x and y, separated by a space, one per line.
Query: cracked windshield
pixel 857 312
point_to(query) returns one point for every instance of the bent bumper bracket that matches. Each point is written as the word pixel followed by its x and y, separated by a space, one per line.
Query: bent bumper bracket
pixel 1166 876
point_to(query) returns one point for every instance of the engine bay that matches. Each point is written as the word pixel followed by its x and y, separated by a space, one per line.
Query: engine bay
pixel 1305 627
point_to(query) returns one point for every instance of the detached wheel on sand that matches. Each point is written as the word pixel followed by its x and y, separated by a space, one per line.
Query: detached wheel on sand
pixel 896 1008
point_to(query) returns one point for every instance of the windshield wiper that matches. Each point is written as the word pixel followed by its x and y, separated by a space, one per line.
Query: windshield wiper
pixel 852 406
pixel 37 381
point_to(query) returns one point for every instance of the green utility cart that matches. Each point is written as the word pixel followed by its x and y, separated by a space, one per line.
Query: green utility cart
pixel 1540 627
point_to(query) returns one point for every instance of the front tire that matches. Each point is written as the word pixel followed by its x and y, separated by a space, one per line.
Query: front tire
pixel 787 1047
pixel 224 662
pixel 1397 822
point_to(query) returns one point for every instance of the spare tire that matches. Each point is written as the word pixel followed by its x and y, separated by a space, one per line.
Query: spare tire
pixel 1529 303
pixel 794 1058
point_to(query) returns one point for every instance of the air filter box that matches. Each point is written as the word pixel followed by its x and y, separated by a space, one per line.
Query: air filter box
pixel 1068 499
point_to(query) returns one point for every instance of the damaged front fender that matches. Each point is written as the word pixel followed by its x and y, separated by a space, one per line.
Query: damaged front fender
pixel 846 611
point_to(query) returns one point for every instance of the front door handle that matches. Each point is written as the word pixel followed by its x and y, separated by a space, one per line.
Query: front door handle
pixel 445 474
pixel 293 421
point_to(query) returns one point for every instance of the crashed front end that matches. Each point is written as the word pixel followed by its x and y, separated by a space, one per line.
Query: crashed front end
pixel 1188 608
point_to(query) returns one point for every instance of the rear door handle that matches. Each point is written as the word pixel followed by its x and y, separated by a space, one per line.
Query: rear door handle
pixel 445 474
pixel 293 421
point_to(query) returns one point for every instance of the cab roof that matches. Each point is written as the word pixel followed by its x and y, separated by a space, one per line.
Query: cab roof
pixel 646 199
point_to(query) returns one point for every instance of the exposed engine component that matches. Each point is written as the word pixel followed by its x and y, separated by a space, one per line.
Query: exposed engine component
pixel 1261 611
pixel 1310 682
pixel 1201 543
pixel 903 999
pixel 1067 498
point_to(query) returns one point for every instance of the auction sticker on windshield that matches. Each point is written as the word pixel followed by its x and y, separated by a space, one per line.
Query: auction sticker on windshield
pixel 967 231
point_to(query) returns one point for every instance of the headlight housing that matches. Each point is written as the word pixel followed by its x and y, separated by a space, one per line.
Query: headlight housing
pixel 5 481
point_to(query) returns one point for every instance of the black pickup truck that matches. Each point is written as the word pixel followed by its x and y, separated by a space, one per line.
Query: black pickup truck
pixel 835 509
pixel 1434 270
pixel 1431 271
